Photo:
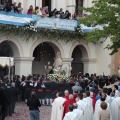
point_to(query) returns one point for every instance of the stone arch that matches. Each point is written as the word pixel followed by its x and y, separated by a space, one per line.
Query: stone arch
pixel 56 46
pixel 17 52
pixel 80 53
pixel 44 52
pixel 84 49
pixel 16 47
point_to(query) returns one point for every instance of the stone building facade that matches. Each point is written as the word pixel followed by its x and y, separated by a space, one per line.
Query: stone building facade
pixel 32 56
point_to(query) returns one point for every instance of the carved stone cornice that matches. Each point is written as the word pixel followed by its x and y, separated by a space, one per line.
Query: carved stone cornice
pixel 27 59
pixel 67 59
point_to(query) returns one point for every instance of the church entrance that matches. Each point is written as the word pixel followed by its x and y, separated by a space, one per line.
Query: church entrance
pixel 77 65
pixel 79 54
pixel 44 56
pixel 46 3
pixel 79 3
pixel 5 51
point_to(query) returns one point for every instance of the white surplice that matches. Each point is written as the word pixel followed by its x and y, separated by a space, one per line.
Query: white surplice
pixel 99 102
pixel 71 116
pixel 57 109
pixel 115 108
pixel 83 106
pixel 98 109
pixel 89 101
pixel 79 113
pixel 109 99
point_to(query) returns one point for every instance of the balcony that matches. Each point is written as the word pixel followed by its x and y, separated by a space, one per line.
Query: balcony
pixel 13 19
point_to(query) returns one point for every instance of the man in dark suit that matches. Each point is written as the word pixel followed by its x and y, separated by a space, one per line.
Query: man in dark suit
pixel 3 103
pixel 9 96
pixel 54 88
pixel 48 92
pixel 14 96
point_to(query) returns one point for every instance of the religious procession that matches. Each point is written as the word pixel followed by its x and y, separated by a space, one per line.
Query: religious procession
pixel 80 97
pixel 59 60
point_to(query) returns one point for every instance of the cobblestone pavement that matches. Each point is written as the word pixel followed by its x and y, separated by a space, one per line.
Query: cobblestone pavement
pixel 22 112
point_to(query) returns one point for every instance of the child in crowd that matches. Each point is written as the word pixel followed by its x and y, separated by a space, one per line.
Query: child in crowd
pixel 104 114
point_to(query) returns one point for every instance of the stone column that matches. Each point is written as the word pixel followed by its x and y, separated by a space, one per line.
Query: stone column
pixel 23 65
pixel 53 4
pixel 67 65
pixel 89 65
pixel 66 62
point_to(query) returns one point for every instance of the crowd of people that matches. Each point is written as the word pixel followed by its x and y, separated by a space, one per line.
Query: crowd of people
pixel 44 12
pixel 99 99
pixel 8 98
pixel 90 95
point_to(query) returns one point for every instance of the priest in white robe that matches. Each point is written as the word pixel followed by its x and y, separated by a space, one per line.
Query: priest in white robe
pixel 83 106
pixel 102 95
pixel 89 102
pixel 71 115
pixel 57 107
pixel 98 107
pixel 115 108
pixel 78 112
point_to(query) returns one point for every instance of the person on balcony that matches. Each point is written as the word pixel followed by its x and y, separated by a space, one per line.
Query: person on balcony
pixel 20 9
pixel 67 15
pixel 7 6
pixel 30 10
pixel 47 11
pixel 74 16
pixel 54 13
pixel 36 11
pixel 15 8
pixel 2 5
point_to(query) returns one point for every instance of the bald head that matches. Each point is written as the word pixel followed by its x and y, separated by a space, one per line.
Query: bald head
pixel 66 92
pixel 71 96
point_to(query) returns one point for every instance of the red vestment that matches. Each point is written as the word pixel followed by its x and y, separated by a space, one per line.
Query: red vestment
pixel 66 97
pixel 66 104
pixel 94 100
pixel 75 96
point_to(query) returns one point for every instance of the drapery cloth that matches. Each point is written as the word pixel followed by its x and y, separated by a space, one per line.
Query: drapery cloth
pixel 6 61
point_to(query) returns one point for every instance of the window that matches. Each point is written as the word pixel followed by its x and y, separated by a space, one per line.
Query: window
pixel 46 3
pixel 79 3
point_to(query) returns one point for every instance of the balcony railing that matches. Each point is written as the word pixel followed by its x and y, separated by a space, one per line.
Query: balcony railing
pixel 9 18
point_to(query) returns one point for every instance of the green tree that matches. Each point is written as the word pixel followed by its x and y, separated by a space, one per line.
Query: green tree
pixel 107 13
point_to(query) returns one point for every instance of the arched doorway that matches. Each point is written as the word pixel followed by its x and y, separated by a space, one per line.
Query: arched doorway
pixel 78 53
pixel 44 55
pixel 8 49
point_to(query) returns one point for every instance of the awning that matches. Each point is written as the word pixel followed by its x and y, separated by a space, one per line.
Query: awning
pixel 6 61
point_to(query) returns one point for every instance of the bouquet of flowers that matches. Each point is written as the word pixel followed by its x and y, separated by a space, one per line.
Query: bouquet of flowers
pixel 53 76
pixel 65 78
